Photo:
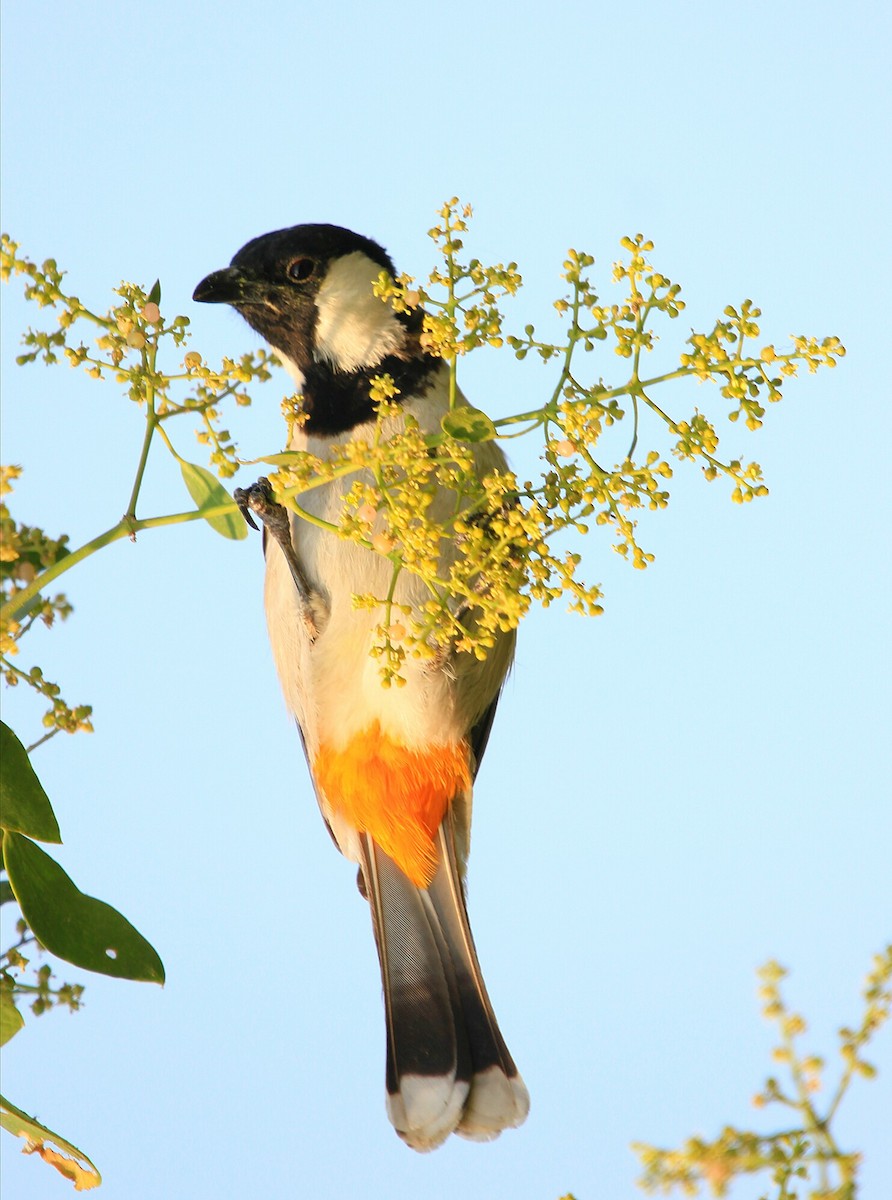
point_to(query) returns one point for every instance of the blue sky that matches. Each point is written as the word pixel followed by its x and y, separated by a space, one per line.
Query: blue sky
pixel 674 793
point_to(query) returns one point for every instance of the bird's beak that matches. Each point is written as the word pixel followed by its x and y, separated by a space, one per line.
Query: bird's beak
pixel 229 286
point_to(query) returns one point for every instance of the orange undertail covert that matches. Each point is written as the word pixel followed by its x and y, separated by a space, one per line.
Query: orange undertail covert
pixel 396 794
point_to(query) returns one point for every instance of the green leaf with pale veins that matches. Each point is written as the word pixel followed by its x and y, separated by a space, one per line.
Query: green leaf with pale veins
pixel 11 1020
pixel 468 425
pixel 73 926
pixel 207 492
pixel 67 1159
pixel 24 805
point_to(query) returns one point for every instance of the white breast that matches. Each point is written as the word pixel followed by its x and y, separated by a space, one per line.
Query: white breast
pixel 333 686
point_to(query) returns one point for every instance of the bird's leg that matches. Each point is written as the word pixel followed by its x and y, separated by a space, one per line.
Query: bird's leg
pixel 445 652
pixel 276 520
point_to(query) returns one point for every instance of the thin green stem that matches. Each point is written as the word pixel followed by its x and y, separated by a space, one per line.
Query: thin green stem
pixel 168 443
pixel 536 416
pixel 840 1092
pixel 631 449
pixel 391 592
pixel 40 741
pixel 569 351
pixel 80 313
pixel 125 528
pixel 451 306
pixel 312 519
pixel 151 426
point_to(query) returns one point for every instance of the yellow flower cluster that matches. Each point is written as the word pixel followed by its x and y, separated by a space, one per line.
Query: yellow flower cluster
pixel 126 348
pixel 506 530
pixel 462 302
pixel 24 552
pixel 805 1152
pixel 415 497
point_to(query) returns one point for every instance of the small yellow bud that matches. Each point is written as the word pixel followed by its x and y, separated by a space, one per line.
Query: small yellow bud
pixel 192 360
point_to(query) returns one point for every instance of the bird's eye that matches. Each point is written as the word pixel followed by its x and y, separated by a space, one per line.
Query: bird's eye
pixel 301 269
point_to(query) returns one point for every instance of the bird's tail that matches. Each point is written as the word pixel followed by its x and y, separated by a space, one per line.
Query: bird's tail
pixel 448 1069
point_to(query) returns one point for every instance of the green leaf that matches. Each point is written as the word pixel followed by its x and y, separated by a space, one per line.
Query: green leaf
pixel 208 492
pixel 154 296
pixel 83 931
pixel 24 805
pixel 286 458
pixel 67 1159
pixel 11 1020
pixel 468 425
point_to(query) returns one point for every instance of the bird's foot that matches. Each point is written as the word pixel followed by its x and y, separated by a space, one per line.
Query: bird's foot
pixel 257 500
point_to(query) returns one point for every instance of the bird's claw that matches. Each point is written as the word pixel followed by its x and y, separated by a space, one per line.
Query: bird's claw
pixel 258 498
pixel 240 496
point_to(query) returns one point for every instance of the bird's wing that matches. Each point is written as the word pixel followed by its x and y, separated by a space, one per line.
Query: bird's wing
pixel 480 732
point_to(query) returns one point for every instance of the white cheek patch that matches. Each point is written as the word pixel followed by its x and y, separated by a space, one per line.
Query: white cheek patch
pixel 354 328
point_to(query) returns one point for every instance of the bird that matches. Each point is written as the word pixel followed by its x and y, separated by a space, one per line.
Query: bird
pixel 392 768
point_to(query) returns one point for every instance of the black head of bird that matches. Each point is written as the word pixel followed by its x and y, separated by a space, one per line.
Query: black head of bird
pixel 308 291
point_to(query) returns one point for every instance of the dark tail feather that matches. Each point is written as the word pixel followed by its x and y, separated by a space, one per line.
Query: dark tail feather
pixel 498 1098
pixel 448 1069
